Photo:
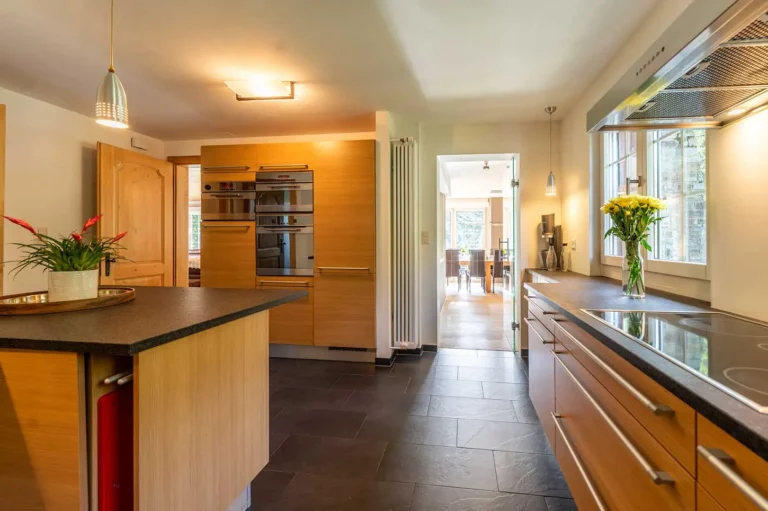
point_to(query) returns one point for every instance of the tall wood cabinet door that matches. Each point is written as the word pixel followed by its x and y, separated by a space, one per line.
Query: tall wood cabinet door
pixel 345 205
pixel 345 309
pixel 135 195
pixel 541 370
pixel 229 158
pixel 228 254
pixel 295 155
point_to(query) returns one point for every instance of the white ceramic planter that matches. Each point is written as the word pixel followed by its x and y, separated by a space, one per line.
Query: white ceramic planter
pixel 72 285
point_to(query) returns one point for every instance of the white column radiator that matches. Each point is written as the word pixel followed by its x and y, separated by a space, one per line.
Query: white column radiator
pixel 405 245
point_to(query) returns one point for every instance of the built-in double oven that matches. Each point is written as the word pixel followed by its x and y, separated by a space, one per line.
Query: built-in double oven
pixel 285 223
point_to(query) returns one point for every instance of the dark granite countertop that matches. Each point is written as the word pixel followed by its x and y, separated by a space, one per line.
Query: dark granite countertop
pixel 157 316
pixel 569 293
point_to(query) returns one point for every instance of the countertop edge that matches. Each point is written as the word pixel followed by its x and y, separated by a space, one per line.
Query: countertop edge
pixel 754 440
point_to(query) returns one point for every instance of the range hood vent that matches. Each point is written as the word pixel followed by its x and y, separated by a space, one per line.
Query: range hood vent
pixel 710 68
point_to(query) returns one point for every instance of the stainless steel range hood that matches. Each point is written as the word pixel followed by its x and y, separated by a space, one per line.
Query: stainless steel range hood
pixel 708 69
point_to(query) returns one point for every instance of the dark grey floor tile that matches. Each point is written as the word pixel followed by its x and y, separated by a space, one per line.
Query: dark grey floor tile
pixel 307 397
pixel 554 504
pixel 332 366
pixel 373 383
pixel 525 411
pixel 422 372
pixel 333 423
pixel 488 362
pixel 319 380
pixel 497 354
pixel 509 391
pixel 502 436
pixel 329 456
pixel 457 352
pixel 441 466
pixel 275 441
pixel 308 492
pixel 446 388
pixel 279 364
pixel 438 498
pixel 426 358
pixel 469 408
pixel 377 403
pixel 411 429
pixel 274 411
pixel 493 374
pixel 536 474
pixel 267 488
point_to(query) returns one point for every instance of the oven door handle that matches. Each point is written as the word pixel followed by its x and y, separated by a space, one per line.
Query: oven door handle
pixel 284 187
pixel 227 196
pixel 272 229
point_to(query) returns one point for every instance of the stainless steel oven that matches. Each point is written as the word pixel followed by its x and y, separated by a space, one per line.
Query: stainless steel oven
pixel 290 191
pixel 285 245
pixel 229 200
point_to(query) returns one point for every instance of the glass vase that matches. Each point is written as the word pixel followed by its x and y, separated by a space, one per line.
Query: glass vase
pixel 633 271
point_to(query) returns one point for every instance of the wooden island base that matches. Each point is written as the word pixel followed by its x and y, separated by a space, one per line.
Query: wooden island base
pixel 201 419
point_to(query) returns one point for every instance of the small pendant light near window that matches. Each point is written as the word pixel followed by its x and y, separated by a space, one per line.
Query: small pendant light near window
pixel 551 188
pixel 111 102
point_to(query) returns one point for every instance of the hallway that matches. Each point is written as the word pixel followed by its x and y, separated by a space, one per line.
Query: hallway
pixel 476 320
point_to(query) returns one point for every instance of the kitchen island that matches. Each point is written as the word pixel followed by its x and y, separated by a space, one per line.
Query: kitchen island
pixel 640 400
pixel 179 374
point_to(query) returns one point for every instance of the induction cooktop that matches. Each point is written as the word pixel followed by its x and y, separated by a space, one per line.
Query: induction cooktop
pixel 728 352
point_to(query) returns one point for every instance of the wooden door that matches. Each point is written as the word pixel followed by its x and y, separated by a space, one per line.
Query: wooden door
pixel 228 254
pixel 2 188
pixel 345 309
pixel 135 195
pixel 345 205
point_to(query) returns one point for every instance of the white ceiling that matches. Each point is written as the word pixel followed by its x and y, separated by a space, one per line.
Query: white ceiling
pixel 468 179
pixel 435 60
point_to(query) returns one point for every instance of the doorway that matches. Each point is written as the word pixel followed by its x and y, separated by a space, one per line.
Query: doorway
pixel 478 215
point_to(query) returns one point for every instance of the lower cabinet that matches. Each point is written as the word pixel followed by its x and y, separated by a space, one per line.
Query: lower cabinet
pixel 579 481
pixel 228 254
pixel 541 364
pixel 705 501
pixel 345 309
pixel 291 323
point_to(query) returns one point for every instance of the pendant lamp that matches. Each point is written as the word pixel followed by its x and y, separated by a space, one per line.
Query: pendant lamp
pixel 111 102
pixel 551 188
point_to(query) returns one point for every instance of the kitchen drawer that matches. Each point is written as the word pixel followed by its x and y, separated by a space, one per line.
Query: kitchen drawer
pixel 724 464
pixel 536 331
pixel 541 311
pixel 579 481
pixel 228 254
pixel 667 418
pixel 705 501
pixel 541 375
pixel 630 470
pixel 293 323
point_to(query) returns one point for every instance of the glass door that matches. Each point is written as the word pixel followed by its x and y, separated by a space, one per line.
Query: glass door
pixel 511 219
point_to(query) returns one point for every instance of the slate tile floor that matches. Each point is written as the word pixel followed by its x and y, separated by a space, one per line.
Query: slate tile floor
pixel 448 431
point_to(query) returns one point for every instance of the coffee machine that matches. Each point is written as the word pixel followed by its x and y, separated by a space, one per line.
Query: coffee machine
pixel 552 239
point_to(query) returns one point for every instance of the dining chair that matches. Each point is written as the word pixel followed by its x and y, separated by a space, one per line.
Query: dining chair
pixel 476 268
pixel 452 266
pixel 498 272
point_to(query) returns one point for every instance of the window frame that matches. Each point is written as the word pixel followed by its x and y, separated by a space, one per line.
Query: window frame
pixel 697 271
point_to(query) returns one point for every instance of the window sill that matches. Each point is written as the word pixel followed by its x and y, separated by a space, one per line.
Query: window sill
pixel 675 269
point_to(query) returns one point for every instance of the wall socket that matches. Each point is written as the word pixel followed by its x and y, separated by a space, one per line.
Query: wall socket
pixel 573 244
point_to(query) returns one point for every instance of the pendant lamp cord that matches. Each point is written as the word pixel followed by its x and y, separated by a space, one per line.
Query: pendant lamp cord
pixel 112 40
pixel 550 141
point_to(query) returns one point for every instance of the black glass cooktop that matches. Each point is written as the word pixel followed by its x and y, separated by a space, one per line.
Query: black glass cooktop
pixel 729 352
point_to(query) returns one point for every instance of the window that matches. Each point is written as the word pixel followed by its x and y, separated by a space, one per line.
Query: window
pixel 470 228
pixel 194 209
pixel 619 163
pixel 677 174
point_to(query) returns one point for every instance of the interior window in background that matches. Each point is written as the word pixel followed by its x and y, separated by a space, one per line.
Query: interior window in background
pixel 677 163
pixel 619 162
pixel 470 229
pixel 194 209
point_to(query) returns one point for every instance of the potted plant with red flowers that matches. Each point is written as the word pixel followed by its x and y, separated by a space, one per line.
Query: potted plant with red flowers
pixel 72 263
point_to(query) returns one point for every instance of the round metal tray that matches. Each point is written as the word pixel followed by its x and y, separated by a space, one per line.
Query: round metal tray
pixel 37 303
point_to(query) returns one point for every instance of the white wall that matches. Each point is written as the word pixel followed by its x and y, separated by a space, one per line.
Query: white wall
pixel 578 156
pixel 531 142
pixel 51 173
pixel 738 216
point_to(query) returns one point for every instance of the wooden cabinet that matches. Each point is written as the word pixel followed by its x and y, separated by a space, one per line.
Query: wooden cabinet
pixel 229 158
pixel 345 309
pixel 722 461
pixel 705 501
pixel 286 155
pixel 291 323
pixel 541 385
pixel 228 254
pixel 345 205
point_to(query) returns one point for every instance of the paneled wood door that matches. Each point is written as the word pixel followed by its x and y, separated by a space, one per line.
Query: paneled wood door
pixel 135 194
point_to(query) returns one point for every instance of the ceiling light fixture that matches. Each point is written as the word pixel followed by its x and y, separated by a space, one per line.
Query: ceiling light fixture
pixel 260 90
pixel 737 111
pixel 111 101
pixel 551 188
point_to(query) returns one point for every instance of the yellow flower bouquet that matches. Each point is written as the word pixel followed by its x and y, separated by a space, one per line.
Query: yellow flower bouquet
pixel 632 217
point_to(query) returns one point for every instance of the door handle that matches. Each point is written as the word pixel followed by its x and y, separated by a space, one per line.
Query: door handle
pixel 108 261
pixel 228 196
pixel 284 166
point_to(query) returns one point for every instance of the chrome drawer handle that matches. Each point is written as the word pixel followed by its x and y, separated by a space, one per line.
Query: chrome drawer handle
pixel 116 378
pixel 657 409
pixel 722 463
pixel 284 166
pixel 656 476
pixel 527 322
pixel 220 168
pixel 286 283
pixel 546 313
pixel 579 465
pixel 342 268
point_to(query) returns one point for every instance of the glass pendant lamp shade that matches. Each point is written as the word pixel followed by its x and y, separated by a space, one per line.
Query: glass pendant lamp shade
pixel 112 103
pixel 551 188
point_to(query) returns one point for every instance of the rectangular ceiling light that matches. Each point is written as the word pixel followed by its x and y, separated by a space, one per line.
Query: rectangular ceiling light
pixel 259 90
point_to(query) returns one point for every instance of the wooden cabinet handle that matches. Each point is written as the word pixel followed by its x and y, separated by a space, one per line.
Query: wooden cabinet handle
pixel 657 409
pixel 656 476
pixel 722 462
pixel 530 327
pixel 579 465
